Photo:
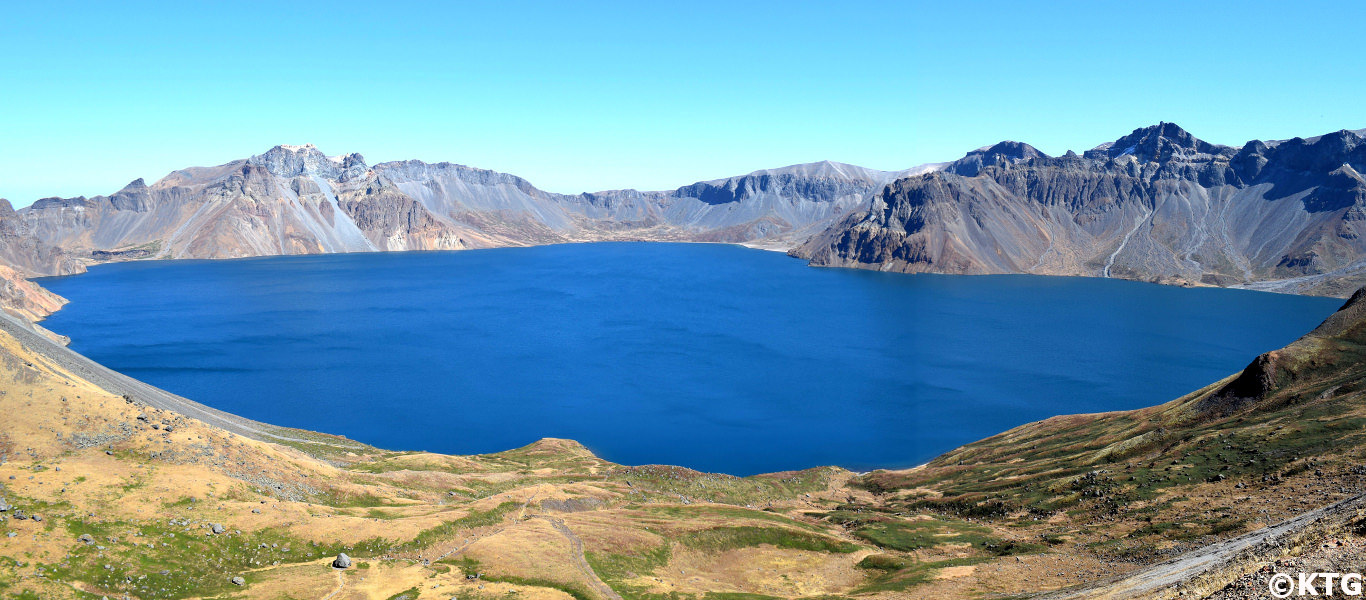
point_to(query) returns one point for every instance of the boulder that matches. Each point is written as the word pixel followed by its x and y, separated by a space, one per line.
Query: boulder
pixel 343 561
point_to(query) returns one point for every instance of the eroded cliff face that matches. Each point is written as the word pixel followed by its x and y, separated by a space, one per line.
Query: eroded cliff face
pixel 1157 205
pixel 23 255
pixel 26 299
pixel 296 200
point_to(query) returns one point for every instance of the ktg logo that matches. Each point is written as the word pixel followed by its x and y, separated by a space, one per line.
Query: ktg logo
pixel 1285 585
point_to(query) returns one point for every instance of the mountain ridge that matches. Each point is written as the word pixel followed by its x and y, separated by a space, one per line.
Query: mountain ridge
pixel 1157 204
pixel 296 199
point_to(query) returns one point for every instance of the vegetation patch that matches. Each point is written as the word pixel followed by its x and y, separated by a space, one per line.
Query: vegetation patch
pixel 721 539
pixel 161 560
pixel 409 594
pixel 916 574
pixel 615 568
pixel 573 589
pixel 908 536
pixel 470 521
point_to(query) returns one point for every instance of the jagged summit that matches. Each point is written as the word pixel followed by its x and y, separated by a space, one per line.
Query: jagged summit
pixel 824 169
pixel 292 161
pixel 1156 204
pixel 1159 143
pixel 134 196
pixel 1001 154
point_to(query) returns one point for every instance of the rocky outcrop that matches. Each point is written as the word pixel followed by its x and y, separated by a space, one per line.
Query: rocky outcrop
pixel 24 298
pixel 23 255
pixel 1157 205
pixel 1331 352
pixel 24 251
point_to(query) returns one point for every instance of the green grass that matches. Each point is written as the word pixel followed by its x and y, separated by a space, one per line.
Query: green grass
pixel 573 589
pixel 470 521
pixel 180 563
pixel 467 565
pixel 721 539
pixel 338 499
pixel 728 513
pixel 736 596
pixel 918 573
pixel 615 568
pixel 408 594
pixel 883 562
pixel 669 483
pixel 907 536
pixel 1190 530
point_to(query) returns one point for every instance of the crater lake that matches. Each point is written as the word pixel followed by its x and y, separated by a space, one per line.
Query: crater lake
pixel 714 357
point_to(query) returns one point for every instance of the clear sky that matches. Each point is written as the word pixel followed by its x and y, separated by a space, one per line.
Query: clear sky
pixel 580 96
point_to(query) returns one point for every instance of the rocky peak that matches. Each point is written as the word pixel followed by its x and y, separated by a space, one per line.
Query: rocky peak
pixel 292 161
pixel 55 202
pixel 1002 154
pixel 133 196
pixel 353 165
pixel 1158 143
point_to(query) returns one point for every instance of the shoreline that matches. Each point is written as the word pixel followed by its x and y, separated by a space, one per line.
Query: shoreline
pixel 865 467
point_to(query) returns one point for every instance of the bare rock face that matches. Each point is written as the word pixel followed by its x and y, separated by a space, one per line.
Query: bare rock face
pixel 296 200
pixel 392 220
pixel 24 298
pixel 1157 204
pixel 21 248
pixel 293 161
pixel 22 256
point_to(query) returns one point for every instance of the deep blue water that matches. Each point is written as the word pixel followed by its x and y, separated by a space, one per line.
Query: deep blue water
pixel 714 357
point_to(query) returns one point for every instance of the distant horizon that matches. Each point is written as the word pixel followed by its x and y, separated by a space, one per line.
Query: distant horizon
pixel 614 95
pixel 150 180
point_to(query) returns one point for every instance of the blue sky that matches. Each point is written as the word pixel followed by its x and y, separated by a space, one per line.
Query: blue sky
pixel 600 95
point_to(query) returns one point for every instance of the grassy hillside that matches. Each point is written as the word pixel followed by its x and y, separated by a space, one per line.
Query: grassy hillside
pixel 1281 437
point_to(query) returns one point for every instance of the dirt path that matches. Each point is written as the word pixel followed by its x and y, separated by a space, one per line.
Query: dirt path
pixel 580 561
pixel 476 538
pixel 341 583
pixel 1201 572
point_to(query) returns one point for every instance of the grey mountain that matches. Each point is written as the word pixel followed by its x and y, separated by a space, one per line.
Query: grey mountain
pixel 296 200
pixel 1158 204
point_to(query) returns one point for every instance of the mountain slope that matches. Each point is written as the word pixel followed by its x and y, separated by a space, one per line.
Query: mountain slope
pixel 296 200
pixel 1157 204
pixel 23 255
